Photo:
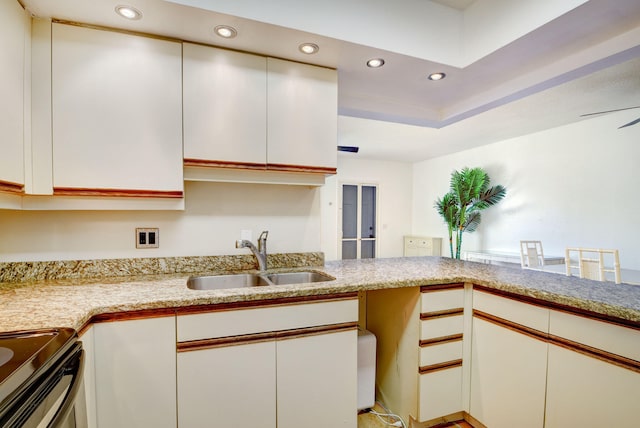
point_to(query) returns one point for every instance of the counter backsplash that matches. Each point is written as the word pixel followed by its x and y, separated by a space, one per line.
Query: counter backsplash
pixel 103 268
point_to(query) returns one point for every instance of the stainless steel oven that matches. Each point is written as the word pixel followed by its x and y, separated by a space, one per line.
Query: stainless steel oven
pixel 41 383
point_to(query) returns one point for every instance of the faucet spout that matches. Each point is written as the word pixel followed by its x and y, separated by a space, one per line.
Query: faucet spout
pixel 260 252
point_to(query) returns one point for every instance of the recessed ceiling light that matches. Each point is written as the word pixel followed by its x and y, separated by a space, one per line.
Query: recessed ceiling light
pixel 225 31
pixel 128 12
pixel 308 48
pixel 437 76
pixel 375 62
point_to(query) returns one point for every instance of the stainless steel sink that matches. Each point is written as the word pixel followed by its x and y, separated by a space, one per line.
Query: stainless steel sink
pixel 217 282
pixel 298 277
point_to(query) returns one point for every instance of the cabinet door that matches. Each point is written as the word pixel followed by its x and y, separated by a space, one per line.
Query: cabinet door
pixel 117 111
pixel 317 380
pixel 303 115
pixel 135 363
pixel 508 377
pixel 225 106
pixel 440 393
pixel 586 392
pixel 13 28
pixel 88 345
pixel 235 386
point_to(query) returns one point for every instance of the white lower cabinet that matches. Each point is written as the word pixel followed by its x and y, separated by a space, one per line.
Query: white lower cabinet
pixel 508 377
pixel 420 358
pixel 535 366
pixel 586 392
pixel 89 376
pixel 317 380
pixel 440 393
pixel 594 373
pixel 232 385
pixel 135 373
pixel 282 365
pixel 508 362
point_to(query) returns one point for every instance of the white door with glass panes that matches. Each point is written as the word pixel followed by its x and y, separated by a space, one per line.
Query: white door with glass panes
pixel 359 213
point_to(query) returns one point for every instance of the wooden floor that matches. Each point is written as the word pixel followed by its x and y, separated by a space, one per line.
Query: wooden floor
pixel 369 420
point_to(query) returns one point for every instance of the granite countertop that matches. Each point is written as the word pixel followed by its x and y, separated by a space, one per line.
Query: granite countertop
pixel 71 302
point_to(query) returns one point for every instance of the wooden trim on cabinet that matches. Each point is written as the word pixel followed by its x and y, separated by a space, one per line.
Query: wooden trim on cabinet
pixel 126 316
pixel 197 345
pixel 117 193
pixel 440 340
pixel 440 287
pixel 313 331
pixel 441 314
pixel 301 168
pixel 607 357
pixel 440 366
pixel 10 187
pixel 245 339
pixel 584 313
pixel 204 163
pixel 217 307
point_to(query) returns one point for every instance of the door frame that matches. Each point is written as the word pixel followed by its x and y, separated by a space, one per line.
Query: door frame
pixel 358 238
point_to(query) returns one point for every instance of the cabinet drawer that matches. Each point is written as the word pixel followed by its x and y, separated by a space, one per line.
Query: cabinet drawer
pixel 433 301
pixel 616 339
pixel 239 321
pixel 528 315
pixel 440 353
pixel 440 393
pixel 441 326
pixel 417 243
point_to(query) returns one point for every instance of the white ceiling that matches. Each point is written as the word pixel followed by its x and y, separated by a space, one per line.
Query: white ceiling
pixel 512 67
pixel 456 4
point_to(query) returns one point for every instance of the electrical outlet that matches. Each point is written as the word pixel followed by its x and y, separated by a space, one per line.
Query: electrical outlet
pixel 147 237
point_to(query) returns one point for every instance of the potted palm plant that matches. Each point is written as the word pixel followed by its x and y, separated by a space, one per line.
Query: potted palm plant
pixel 470 192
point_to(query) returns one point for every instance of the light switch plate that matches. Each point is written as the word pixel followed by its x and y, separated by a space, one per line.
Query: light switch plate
pixel 147 237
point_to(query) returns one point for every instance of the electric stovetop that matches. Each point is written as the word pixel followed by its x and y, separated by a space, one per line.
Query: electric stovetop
pixel 24 354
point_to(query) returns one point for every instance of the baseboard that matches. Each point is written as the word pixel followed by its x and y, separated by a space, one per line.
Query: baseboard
pixel 458 416
pixel 454 417
pixel 473 421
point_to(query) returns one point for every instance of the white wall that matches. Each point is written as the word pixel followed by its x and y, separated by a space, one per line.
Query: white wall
pixel 394 181
pixel 214 215
pixel 575 185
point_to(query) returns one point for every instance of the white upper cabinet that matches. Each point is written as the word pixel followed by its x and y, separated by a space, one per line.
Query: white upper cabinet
pixel 13 41
pixel 117 113
pixel 244 112
pixel 225 107
pixel 302 124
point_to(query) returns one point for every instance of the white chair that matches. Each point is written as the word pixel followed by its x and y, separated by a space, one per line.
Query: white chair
pixel 531 255
pixel 593 263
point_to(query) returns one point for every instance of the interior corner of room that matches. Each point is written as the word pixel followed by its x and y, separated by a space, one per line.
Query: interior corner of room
pixel 177 133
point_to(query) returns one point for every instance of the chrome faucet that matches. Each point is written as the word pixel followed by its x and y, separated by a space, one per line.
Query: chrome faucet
pixel 260 252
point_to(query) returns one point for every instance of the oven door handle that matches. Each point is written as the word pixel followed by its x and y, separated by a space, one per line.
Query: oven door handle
pixel 69 402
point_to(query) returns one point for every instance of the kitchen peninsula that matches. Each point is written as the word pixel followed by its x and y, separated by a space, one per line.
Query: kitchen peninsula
pixel 508 319
pixel 72 302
